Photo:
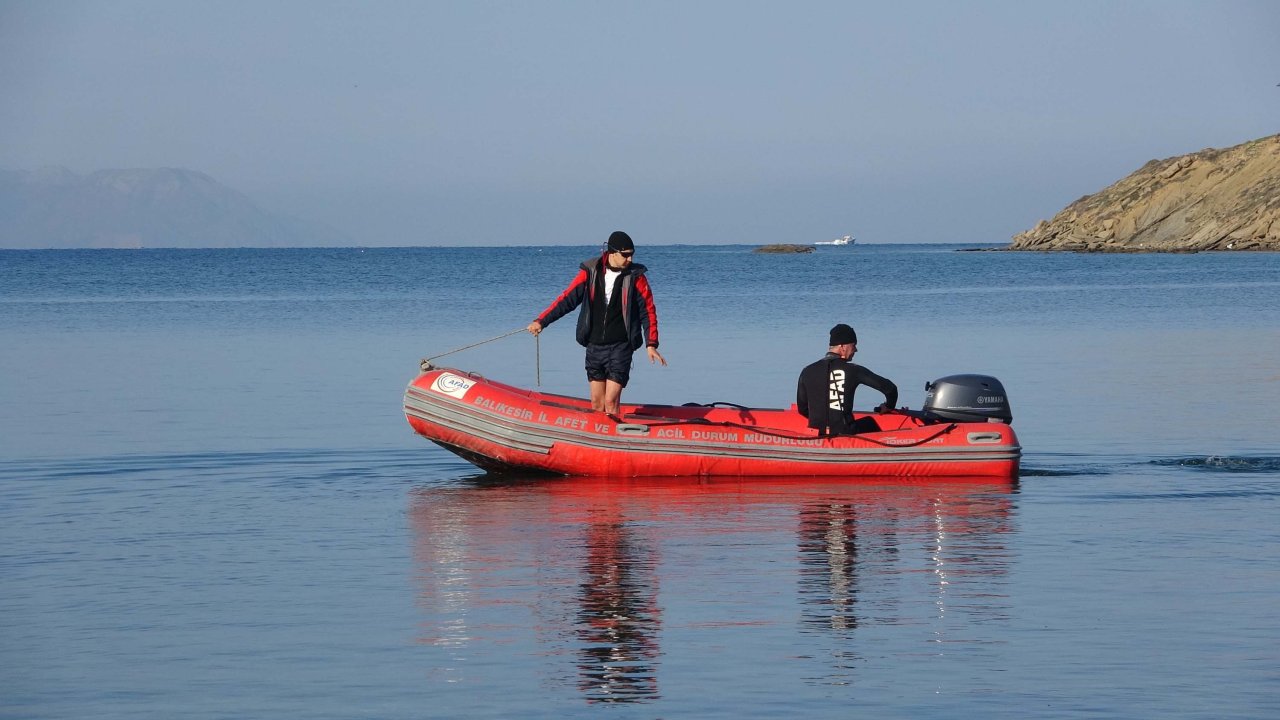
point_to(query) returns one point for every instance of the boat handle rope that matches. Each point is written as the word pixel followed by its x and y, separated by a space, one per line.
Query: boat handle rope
pixel 765 431
pixel 425 363
pixel 718 403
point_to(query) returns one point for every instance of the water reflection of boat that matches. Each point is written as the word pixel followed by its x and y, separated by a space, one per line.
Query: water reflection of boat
pixel 621 577
pixel 846 240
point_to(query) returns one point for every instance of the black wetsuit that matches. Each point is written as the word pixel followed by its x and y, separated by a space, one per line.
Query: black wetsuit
pixel 824 394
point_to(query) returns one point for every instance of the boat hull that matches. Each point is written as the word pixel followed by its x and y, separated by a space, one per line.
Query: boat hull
pixel 504 428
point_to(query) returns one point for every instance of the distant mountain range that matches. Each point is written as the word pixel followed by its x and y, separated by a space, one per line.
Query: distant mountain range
pixel 147 208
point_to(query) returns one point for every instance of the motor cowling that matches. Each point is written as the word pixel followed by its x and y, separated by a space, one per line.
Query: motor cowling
pixel 967 398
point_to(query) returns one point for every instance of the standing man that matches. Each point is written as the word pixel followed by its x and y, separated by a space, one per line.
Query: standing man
pixel 825 391
pixel 617 317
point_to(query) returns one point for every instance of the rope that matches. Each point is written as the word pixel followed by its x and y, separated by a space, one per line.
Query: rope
pixel 427 360
pixel 425 363
pixel 775 433
pixel 941 432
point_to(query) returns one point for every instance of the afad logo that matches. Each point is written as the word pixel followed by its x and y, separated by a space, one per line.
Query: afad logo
pixel 452 385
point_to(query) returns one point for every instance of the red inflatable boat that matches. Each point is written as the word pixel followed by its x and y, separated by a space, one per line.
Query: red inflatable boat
pixel 963 431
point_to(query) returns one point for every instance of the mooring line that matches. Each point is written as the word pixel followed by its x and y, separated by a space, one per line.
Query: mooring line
pixel 425 363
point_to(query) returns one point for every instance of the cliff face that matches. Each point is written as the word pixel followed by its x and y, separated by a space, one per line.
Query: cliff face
pixel 1209 200
pixel 165 207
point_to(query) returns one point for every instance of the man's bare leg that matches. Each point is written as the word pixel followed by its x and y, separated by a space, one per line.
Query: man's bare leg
pixel 612 397
pixel 597 394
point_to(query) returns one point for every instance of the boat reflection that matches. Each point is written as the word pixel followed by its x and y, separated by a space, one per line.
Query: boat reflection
pixel 570 570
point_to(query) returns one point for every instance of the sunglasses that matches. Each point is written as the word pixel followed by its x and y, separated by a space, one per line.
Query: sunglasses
pixel 625 253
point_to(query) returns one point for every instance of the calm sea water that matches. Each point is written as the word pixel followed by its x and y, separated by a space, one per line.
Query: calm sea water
pixel 211 505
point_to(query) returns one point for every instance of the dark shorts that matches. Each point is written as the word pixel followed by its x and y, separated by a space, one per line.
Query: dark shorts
pixel 609 362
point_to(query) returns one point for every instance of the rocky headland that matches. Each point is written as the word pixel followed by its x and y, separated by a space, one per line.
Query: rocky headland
pixel 1225 199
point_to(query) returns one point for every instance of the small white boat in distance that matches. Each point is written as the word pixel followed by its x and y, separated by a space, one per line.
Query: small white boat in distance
pixel 846 240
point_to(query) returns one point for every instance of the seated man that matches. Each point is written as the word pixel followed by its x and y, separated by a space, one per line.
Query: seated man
pixel 825 391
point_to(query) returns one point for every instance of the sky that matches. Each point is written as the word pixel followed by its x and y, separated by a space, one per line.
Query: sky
pixel 556 122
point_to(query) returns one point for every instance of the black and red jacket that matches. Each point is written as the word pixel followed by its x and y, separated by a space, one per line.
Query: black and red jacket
pixel 635 301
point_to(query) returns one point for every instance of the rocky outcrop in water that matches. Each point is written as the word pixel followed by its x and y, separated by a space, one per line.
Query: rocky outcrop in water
pixel 783 249
pixel 1209 200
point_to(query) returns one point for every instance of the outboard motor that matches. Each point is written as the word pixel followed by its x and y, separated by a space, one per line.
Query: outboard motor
pixel 967 398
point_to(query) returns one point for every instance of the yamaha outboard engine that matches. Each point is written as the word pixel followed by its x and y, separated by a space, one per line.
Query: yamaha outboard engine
pixel 967 398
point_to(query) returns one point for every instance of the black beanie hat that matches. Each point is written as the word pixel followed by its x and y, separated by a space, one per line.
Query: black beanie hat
pixel 843 335
pixel 619 241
